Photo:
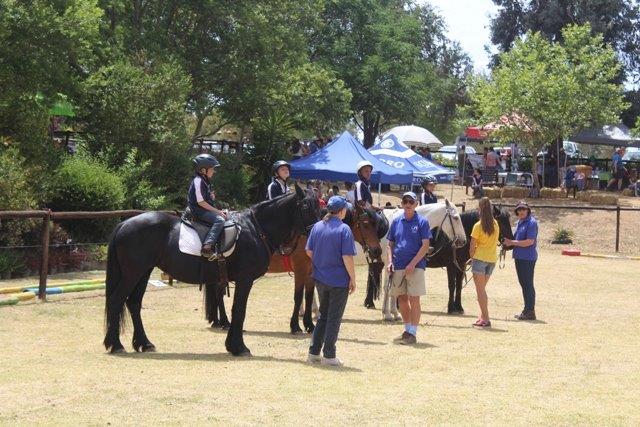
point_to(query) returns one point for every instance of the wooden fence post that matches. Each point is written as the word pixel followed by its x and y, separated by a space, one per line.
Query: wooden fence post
pixel 44 260
pixel 617 228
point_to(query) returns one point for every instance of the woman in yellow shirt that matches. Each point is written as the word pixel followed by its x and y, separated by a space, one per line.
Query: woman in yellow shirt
pixel 482 251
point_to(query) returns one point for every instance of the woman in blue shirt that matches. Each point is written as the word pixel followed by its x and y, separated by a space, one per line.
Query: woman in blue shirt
pixel 331 248
pixel 525 255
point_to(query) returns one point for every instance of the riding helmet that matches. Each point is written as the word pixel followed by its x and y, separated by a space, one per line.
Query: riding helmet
pixel 429 180
pixel 277 165
pixel 205 161
pixel 363 163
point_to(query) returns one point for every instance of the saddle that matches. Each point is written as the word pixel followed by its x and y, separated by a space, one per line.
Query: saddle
pixel 193 231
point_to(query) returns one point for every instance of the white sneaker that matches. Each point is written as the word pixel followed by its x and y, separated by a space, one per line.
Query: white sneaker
pixel 332 362
pixel 314 358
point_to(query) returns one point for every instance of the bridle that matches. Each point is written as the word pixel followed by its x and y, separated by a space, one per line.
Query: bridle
pixel 301 205
pixel 453 244
pixel 358 224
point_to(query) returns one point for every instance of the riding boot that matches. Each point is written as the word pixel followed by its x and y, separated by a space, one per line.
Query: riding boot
pixel 209 245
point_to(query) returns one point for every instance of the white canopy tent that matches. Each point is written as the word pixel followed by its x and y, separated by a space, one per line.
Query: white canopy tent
pixel 414 136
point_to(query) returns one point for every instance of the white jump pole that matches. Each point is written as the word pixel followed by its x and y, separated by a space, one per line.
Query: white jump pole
pixel 379 191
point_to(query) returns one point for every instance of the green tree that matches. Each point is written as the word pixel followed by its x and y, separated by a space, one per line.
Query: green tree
pixel 129 106
pixel 617 20
pixel 46 48
pixel 551 90
pixel 374 46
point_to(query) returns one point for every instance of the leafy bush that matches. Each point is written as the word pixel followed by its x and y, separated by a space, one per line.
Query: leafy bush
pixel 231 182
pixel 11 262
pixel 562 235
pixel 141 194
pixel 82 183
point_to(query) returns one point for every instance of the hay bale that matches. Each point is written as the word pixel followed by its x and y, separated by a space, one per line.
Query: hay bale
pixel 601 199
pixel 584 195
pixel 553 193
pixel 628 192
pixel 515 192
pixel 492 192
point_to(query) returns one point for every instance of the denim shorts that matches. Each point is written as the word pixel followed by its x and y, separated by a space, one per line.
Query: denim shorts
pixel 482 267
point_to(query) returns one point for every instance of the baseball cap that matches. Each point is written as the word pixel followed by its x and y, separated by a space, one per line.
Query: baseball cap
pixel 336 203
pixel 410 194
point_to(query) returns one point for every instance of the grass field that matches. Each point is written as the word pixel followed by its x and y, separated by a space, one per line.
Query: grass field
pixel 579 364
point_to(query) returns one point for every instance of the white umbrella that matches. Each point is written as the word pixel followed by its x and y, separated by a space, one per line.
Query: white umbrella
pixel 415 135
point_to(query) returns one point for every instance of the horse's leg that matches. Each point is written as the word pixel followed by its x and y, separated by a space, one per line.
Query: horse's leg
pixel 140 341
pixel 388 302
pixel 115 314
pixel 458 301
pixel 309 294
pixel 298 292
pixel 234 342
pixel 224 320
pixel 368 300
pixel 451 281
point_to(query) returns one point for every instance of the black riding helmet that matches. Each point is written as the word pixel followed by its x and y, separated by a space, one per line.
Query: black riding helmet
pixel 277 165
pixel 429 180
pixel 204 161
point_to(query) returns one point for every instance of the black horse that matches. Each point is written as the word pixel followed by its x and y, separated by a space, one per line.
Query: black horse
pixel 376 265
pixel 455 260
pixel 143 242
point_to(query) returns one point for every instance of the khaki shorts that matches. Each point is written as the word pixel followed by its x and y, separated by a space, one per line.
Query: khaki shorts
pixel 414 285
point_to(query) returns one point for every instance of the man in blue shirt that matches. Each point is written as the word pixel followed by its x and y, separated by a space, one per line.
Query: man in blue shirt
pixel 408 237
pixel 331 248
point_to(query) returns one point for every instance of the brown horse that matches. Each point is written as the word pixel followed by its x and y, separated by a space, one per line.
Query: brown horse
pixel 293 258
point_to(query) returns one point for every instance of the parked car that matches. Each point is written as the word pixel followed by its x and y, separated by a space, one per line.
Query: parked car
pixel 570 148
pixel 631 154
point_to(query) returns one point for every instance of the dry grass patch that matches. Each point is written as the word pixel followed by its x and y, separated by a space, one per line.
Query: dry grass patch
pixel 578 365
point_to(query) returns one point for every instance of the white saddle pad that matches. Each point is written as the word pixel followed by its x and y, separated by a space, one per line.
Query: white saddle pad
pixel 189 241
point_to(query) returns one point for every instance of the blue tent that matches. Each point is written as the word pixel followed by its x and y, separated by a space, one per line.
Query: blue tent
pixel 398 155
pixel 337 162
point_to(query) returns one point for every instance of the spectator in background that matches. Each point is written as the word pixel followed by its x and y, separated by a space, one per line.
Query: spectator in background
pixel 476 184
pixel 539 170
pixel 350 196
pixel 336 190
pixel 617 169
pixel 580 180
pixel 569 178
pixel 426 153
pixel 491 162
pixel 295 149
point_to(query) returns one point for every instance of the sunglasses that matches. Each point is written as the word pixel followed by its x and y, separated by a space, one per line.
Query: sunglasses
pixel 408 201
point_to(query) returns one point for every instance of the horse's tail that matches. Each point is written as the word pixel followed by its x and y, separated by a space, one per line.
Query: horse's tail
pixel 114 276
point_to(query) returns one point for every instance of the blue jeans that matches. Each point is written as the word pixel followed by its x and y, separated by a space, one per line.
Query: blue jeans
pixel 524 269
pixel 217 225
pixel 332 303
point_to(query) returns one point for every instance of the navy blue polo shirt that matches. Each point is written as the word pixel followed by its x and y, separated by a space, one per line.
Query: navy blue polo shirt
pixel 407 236
pixel 330 240
pixel 199 191
pixel 526 229
pixel 427 198
pixel 362 192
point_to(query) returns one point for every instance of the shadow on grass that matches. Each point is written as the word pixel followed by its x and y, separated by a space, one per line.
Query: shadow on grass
pixel 287 335
pixel 225 357
pixel 492 329
pixel 445 314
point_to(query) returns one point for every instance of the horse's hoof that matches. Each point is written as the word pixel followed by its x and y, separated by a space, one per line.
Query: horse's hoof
pixel 370 306
pixel 148 348
pixel 388 318
pixel 310 329
pixel 296 331
pixel 245 353
pixel 224 326
pixel 117 350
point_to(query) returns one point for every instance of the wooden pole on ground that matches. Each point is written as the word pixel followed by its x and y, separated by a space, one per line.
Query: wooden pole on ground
pixel 44 260
pixel 618 229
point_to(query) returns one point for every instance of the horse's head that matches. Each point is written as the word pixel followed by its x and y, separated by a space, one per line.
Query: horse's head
pixel 502 217
pixel 308 207
pixel 446 218
pixel 366 225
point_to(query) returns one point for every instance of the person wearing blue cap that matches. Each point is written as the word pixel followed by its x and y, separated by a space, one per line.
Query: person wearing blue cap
pixel 331 248
pixel 408 238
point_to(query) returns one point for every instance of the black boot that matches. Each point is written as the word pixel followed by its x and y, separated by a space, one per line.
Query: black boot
pixel 526 315
pixel 208 252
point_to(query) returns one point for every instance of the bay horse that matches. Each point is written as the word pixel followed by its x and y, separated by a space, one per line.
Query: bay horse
pixel 151 240
pixel 455 261
pixel 364 224
pixel 444 219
